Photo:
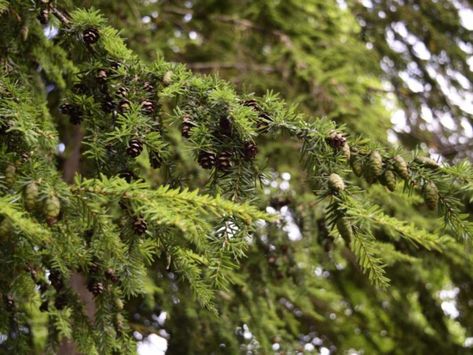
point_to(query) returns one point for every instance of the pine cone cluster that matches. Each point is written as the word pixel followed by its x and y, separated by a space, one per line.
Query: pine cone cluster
pixel 135 147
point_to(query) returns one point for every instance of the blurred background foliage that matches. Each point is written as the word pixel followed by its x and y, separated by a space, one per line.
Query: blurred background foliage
pixel 360 63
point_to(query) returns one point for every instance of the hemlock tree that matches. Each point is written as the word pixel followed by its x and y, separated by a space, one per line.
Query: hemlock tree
pixel 133 187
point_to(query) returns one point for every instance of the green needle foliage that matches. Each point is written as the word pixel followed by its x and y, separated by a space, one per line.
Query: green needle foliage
pixel 269 214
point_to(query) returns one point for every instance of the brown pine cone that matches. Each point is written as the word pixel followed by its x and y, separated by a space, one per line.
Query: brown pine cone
pixel 90 35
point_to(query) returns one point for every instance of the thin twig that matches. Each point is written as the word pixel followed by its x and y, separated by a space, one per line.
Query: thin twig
pixel 60 16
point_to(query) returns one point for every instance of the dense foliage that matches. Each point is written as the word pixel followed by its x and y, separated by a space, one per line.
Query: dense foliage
pixel 262 209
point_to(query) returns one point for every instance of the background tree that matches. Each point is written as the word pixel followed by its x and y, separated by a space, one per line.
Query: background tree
pixel 104 145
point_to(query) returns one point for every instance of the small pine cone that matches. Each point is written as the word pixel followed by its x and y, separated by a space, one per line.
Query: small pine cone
pixel 250 150
pixel 328 244
pixel 24 157
pixel 52 209
pixel 66 108
pixel 427 162
pixel 139 225
pixel 225 126
pixel 9 302
pixel 187 125
pixel 90 35
pixel 118 303
pixel 6 228
pixel 124 106
pixel 431 195
pixel 95 287
pixel 335 183
pixel 147 107
pixel 108 105
pixel 102 75
pixel 56 279
pixel 167 78
pixel 119 323
pixel 79 88
pixel 206 159
pixel 94 268
pixel 264 121
pixel 129 176
pixel 224 161
pixel 115 65
pixel 110 274
pixel 135 147
pixel 400 166
pixel 88 234
pixel 148 87
pixel 60 302
pixel 252 103
pixel 76 117
pixel 33 273
pixel 345 229
pixel 43 286
pixel 356 165
pixel 336 140
pixel 388 179
pixel 346 151
pixel 44 307
pixel 10 175
pixel 374 167
pixel 73 111
pixel 122 91
pixel 43 16
pixel 155 160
